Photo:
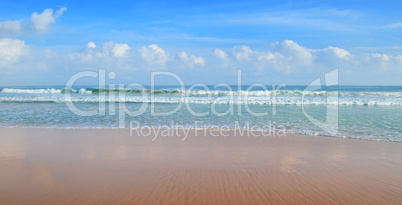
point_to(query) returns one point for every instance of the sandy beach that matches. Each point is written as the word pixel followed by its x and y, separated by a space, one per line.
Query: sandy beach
pixel 108 166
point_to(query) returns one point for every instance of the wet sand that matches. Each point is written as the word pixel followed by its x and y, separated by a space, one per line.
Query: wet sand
pixel 105 166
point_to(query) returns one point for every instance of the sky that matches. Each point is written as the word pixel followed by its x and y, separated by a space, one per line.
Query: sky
pixel 269 42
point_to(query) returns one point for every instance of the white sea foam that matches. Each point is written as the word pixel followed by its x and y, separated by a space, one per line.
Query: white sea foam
pixel 37 91
pixel 287 100
pixel 175 92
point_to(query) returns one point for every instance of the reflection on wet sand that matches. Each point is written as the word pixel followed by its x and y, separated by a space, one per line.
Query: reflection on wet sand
pixel 40 166
pixel 11 149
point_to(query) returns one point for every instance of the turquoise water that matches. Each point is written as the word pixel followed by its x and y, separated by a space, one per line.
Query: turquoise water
pixel 364 112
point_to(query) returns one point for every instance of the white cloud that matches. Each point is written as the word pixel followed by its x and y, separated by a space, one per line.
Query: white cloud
pixel 91 45
pixel 11 51
pixel 286 56
pixel 334 57
pixel 183 56
pixel 60 12
pixel 40 22
pixel 108 51
pixel 338 52
pixel 242 53
pixel 120 50
pixel 198 60
pixel 111 49
pixel 220 54
pixel 223 56
pixel 383 62
pixel 293 52
pixel 192 60
pixel 109 55
pixel 289 57
pixel 153 54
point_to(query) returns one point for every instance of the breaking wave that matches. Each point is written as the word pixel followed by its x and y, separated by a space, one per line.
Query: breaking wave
pixel 289 100
pixel 179 92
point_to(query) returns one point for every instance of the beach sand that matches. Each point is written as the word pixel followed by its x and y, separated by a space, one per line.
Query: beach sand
pixel 108 166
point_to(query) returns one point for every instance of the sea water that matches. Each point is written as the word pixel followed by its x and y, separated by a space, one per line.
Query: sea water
pixel 364 112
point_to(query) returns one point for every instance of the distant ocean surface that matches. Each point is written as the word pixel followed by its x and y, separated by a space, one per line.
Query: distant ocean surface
pixel 365 112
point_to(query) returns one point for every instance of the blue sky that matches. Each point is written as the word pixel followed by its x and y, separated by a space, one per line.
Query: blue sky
pixel 292 42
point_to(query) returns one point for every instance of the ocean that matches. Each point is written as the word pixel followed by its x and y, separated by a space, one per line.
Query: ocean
pixel 362 112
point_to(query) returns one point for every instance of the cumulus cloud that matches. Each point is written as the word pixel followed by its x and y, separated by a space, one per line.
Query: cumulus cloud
pixel 11 50
pixel 154 55
pixel 242 53
pixel 220 54
pixel 285 56
pixel 223 56
pixel 334 57
pixel 292 53
pixel 192 60
pixel 288 57
pixel 120 50
pixel 41 22
pixel 108 51
pixel 109 55
pixel 383 62
pixel 338 52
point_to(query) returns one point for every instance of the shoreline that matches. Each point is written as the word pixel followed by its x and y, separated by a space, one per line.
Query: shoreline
pixel 48 166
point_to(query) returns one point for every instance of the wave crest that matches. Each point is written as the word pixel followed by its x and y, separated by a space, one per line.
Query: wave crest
pixel 201 93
